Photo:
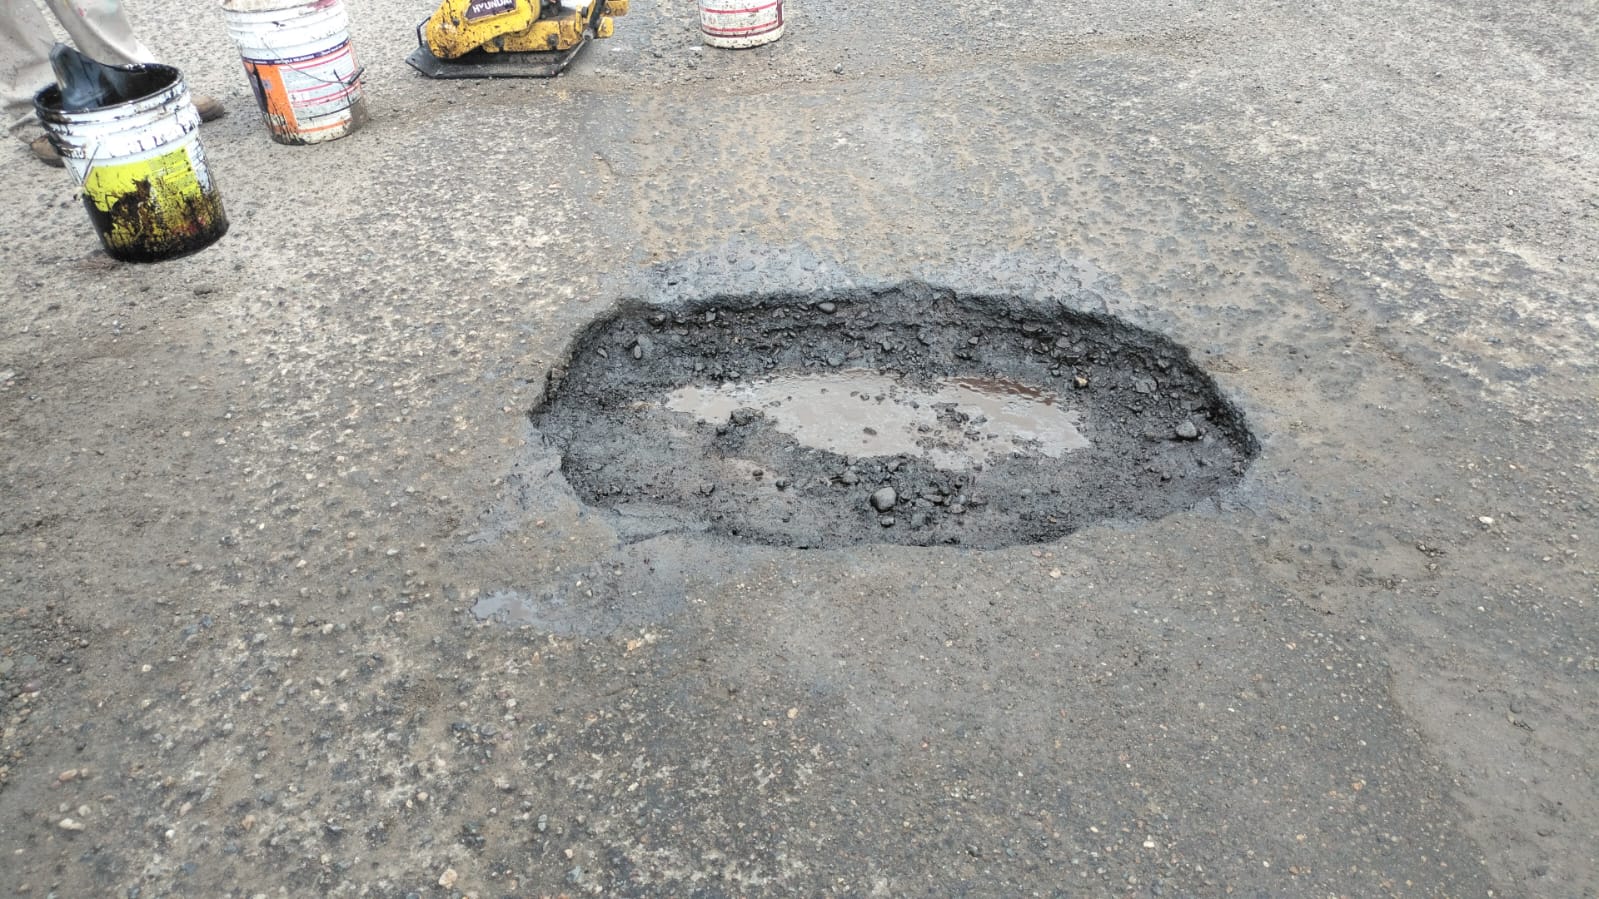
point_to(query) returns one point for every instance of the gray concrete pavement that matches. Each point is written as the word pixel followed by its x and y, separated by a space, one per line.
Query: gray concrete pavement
pixel 249 496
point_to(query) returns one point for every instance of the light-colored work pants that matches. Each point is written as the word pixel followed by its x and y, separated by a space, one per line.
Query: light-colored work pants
pixel 98 28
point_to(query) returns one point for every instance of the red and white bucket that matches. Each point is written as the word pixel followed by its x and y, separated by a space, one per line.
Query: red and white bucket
pixel 736 24
pixel 301 67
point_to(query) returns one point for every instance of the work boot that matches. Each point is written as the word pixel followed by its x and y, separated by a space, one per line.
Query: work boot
pixel 45 152
pixel 210 107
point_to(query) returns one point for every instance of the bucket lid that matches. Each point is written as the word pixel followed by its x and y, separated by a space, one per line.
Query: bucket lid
pixel 274 5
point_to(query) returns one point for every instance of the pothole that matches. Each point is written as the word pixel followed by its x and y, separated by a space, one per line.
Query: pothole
pixel 910 416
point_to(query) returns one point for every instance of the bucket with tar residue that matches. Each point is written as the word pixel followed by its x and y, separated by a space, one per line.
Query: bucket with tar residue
pixel 735 24
pixel 301 67
pixel 135 151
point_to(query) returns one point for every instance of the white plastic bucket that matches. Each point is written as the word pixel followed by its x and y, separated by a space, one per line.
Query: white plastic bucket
pixel 140 167
pixel 301 66
pixel 736 24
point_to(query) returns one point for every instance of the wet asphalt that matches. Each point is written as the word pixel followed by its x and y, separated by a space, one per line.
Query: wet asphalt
pixel 250 497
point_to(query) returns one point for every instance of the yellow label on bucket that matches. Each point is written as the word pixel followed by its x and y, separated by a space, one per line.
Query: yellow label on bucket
pixel 151 202
pixel 169 177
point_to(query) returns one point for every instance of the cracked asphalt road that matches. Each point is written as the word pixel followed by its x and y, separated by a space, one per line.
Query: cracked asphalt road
pixel 247 498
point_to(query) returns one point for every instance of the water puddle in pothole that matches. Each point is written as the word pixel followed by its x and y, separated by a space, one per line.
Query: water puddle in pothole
pixel 956 423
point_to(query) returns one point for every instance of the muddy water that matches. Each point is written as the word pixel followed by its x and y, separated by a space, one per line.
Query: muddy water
pixel 955 423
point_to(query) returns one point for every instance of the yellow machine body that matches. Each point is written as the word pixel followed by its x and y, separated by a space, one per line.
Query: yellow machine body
pixel 459 27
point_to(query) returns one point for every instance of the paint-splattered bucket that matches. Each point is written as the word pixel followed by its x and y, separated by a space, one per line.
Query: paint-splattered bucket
pixel 298 58
pixel 141 168
pixel 740 23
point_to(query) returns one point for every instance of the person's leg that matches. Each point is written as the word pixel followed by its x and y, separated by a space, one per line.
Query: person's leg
pixel 25 43
pixel 100 30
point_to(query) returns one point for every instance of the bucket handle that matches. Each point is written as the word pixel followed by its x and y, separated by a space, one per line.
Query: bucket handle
pixel 354 78
pixel 88 164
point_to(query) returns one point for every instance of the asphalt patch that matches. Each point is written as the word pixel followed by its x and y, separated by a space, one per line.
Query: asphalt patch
pixel 909 416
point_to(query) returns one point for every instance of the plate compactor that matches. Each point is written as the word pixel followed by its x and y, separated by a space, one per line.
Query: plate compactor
pixel 508 38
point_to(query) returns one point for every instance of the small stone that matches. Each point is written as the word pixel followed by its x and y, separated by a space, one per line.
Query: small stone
pixel 72 824
pixel 829 308
pixel 886 521
pixel 919 520
pixel 1187 430
pixel 849 477
pixel 447 879
pixel 838 69
pixel 884 499
pixel 1081 382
